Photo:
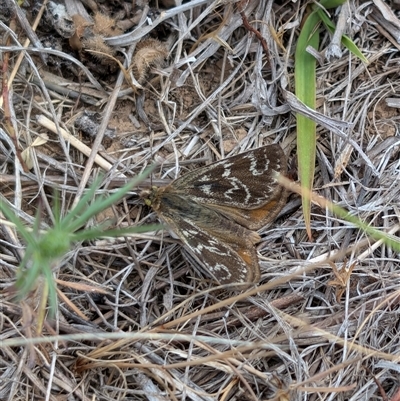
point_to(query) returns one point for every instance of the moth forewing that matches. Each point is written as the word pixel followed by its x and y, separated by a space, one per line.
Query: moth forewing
pixel 225 249
pixel 245 181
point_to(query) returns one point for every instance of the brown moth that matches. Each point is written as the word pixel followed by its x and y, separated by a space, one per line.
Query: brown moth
pixel 215 209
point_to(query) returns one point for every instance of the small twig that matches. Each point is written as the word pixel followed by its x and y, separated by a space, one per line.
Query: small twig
pixel 378 383
pixel 334 49
pixel 27 27
pixel 247 25
pixel 45 122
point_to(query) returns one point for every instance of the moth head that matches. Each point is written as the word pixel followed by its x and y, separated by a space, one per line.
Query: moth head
pixel 150 197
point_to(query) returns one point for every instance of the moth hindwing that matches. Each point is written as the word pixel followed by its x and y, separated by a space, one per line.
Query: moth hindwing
pixel 215 209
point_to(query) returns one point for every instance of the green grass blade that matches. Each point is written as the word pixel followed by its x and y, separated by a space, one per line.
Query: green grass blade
pixel 81 205
pixel 51 288
pixel 27 276
pixel 331 3
pixel 346 41
pixel 10 215
pixel 103 203
pixel 94 232
pixel 305 87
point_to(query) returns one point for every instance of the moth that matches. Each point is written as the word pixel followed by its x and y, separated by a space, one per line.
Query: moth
pixel 216 209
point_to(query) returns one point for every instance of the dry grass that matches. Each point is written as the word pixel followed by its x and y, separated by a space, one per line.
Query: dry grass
pixel 324 322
